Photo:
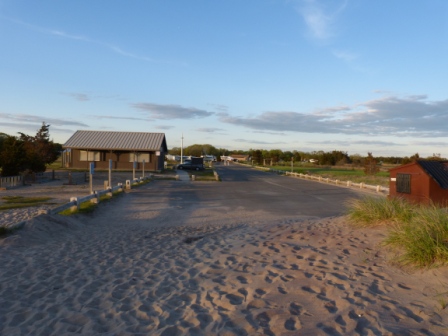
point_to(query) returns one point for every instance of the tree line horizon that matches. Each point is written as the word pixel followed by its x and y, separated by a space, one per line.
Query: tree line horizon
pixel 25 153
pixel 330 158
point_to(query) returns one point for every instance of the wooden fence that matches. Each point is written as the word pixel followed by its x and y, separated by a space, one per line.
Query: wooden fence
pixel 32 178
pixel 10 181
pixel 377 188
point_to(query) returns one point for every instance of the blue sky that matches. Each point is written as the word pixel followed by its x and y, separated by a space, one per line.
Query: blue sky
pixel 352 75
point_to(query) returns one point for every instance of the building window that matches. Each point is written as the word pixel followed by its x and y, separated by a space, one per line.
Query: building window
pixel 139 157
pixel 404 183
pixel 89 156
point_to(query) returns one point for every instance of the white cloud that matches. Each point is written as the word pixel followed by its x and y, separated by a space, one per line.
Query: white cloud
pixel 62 34
pixel 157 111
pixel 78 96
pixel 19 119
pixel 220 107
pixel 345 55
pixel 259 142
pixel 348 143
pixel 320 18
pixel 119 118
pixel 393 116
pixel 163 127
pixel 209 130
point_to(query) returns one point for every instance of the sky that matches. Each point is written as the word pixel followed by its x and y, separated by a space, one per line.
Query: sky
pixel 357 76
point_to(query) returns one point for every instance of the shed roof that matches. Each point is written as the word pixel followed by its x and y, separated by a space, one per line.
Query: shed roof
pixel 134 141
pixel 438 170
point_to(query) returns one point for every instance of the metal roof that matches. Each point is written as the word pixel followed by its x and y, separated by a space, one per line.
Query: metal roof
pixel 438 170
pixel 100 140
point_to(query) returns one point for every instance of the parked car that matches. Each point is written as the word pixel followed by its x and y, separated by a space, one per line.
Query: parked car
pixel 190 165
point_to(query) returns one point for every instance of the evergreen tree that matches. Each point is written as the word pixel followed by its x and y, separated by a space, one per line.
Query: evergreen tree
pixel 12 156
pixel 40 150
pixel 25 152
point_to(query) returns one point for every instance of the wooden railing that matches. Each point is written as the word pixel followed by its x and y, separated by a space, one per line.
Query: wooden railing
pixel 362 185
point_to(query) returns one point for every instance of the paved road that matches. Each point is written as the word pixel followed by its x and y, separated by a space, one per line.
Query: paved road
pixel 281 195
pixel 244 194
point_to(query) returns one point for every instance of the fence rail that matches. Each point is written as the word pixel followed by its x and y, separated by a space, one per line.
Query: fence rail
pixel 32 178
pixel 75 202
pixel 360 185
pixel 377 188
pixel 10 181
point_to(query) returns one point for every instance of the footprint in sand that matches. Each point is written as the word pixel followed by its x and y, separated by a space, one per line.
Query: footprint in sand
pixel 235 299
pixel 282 290
pixel 260 292
pixel 243 292
pixel 403 286
pixel 243 280
pixel 290 324
pixel 287 278
pixel 331 307
pixel 295 309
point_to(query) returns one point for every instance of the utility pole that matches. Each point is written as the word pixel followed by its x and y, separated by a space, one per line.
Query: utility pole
pixel 182 149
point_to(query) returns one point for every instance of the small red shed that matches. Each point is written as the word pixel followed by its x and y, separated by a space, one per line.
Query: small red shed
pixel 420 182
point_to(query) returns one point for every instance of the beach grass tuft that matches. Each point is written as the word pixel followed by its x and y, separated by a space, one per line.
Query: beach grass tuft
pixel 419 233
pixel 374 211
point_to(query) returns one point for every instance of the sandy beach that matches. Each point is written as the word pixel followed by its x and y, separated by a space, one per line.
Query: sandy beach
pixel 138 267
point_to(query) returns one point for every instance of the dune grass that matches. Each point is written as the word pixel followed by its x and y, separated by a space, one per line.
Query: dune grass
pixel 419 233
pixel 374 211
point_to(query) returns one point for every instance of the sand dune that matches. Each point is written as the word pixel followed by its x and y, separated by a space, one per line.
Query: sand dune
pixel 142 274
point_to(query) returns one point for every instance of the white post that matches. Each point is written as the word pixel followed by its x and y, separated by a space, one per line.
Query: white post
pixel 76 206
pixel 110 173
pixel 92 165
pixel 133 169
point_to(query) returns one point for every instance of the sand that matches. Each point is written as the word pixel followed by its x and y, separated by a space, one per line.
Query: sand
pixel 130 268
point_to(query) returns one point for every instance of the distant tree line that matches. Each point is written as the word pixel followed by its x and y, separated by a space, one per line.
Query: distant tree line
pixel 277 156
pixel 199 150
pixel 25 153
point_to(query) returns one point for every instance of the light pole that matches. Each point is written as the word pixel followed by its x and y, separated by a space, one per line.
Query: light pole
pixel 182 149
